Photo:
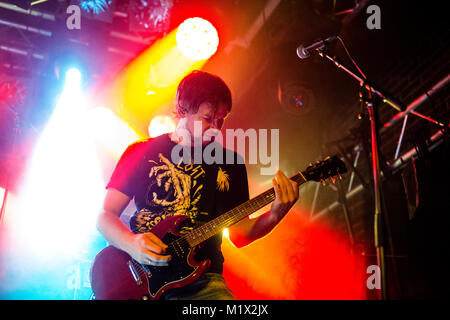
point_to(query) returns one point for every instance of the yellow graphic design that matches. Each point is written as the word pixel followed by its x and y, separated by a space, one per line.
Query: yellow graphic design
pixel 174 190
pixel 146 220
pixel 223 180
pixel 181 184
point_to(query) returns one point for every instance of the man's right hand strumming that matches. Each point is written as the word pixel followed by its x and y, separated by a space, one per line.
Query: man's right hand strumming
pixel 145 248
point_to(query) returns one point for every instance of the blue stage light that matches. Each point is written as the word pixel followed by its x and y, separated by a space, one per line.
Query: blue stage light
pixel 95 6
pixel 73 75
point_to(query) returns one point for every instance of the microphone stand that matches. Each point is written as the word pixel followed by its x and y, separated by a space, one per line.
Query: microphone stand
pixel 368 101
pixel 376 171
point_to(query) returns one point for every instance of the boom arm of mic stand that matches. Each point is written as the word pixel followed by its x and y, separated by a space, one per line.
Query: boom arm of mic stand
pixel 403 110
pixel 364 83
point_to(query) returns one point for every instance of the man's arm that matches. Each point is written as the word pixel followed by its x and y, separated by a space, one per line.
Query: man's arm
pixel 144 247
pixel 248 230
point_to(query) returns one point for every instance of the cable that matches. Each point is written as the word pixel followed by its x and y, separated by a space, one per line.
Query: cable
pixel 350 57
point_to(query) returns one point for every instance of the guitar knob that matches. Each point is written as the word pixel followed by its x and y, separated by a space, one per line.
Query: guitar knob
pixel 144 297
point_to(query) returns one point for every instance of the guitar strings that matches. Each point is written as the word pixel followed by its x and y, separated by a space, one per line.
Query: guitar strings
pixel 233 215
pixel 231 219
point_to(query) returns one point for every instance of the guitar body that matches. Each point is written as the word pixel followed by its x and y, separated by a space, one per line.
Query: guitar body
pixel 116 276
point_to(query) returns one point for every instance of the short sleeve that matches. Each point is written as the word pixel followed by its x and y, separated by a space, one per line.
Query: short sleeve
pixel 126 173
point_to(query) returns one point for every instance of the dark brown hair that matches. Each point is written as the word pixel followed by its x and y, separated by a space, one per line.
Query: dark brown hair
pixel 199 87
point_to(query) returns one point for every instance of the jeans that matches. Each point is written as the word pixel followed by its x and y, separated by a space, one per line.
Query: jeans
pixel 210 286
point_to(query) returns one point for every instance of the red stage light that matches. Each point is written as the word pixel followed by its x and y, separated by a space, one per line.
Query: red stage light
pixel 299 260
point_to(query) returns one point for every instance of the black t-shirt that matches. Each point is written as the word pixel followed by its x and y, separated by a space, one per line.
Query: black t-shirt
pixel 161 188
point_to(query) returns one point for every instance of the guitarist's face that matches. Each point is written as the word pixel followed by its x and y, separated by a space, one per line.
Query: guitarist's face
pixel 207 117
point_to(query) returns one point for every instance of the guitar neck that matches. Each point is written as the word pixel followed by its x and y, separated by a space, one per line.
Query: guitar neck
pixel 235 215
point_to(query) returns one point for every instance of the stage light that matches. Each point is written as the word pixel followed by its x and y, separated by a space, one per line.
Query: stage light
pixel 109 131
pixel 160 125
pixel 12 92
pixel 95 6
pixel 72 84
pixel 150 16
pixel 63 186
pixel 149 82
pixel 197 38
pixel 295 98
pixel 71 102
pixel 73 76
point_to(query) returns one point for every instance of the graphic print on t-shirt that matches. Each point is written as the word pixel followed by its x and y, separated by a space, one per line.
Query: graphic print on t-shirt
pixel 161 188
pixel 173 190
pixel 223 183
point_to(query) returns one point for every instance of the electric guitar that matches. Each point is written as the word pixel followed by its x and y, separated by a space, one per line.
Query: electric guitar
pixel 116 276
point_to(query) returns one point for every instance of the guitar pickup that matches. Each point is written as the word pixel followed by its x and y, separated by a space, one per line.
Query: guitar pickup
pixel 134 273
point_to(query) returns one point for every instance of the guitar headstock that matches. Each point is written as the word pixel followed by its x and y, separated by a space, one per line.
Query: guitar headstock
pixel 327 168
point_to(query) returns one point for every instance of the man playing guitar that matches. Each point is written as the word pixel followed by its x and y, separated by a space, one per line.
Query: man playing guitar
pixel 161 189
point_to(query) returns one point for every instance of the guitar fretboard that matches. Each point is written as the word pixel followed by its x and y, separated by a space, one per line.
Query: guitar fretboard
pixel 234 215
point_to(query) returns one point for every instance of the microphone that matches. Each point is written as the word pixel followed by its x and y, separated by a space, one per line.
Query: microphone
pixel 303 51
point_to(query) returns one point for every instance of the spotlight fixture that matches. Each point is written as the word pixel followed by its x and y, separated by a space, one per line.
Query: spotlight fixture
pixel 295 98
pixel 150 15
pixel 95 6
pixel 197 38
pixel 12 92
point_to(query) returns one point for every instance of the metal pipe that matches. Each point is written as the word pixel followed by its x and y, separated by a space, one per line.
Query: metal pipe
pixel 416 103
pixel 396 164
